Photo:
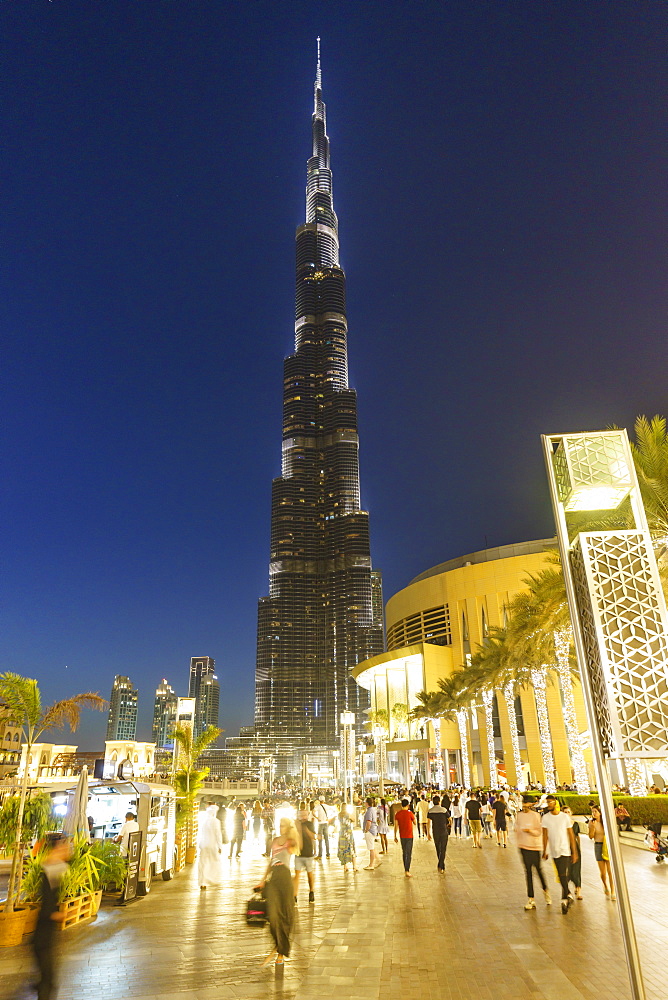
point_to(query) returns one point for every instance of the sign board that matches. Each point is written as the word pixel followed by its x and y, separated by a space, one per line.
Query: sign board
pixel 134 857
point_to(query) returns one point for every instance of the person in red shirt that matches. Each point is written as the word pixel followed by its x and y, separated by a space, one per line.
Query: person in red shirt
pixel 404 821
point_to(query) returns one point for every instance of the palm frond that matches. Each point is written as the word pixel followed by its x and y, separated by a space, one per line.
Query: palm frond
pixel 21 696
pixel 650 456
pixel 68 711
pixel 204 740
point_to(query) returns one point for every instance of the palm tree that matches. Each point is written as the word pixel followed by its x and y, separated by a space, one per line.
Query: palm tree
pixel 22 697
pixel 189 779
pixel 493 667
pixel 650 456
pixel 400 715
pixel 548 591
pixel 455 706
pixel 430 709
pixel 526 639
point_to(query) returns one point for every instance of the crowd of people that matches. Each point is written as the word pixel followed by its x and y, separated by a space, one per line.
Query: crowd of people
pixel 297 835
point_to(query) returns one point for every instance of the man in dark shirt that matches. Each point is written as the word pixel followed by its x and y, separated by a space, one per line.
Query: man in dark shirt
pixel 438 819
pixel 305 862
pixel 500 810
pixel 473 809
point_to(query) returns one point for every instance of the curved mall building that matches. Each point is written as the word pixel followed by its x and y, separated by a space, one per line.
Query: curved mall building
pixel 433 626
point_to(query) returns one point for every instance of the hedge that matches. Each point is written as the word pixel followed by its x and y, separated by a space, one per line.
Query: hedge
pixel 642 809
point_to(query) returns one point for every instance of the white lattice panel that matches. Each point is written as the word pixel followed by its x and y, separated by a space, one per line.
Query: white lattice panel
pixel 624 630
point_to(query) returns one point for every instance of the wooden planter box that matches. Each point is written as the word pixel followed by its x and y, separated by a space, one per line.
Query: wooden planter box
pixel 79 909
pixel 180 841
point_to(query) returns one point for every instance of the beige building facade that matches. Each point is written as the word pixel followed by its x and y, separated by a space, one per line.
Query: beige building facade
pixel 433 626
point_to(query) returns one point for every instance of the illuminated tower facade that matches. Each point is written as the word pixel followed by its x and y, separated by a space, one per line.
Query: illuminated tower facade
pixel 320 618
pixel 122 718
pixel 164 714
pixel 205 689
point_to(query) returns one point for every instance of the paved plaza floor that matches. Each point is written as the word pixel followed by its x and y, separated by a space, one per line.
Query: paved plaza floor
pixel 368 936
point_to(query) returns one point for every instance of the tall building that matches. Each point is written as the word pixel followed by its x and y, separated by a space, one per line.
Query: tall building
pixel 164 714
pixel 318 620
pixel 122 720
pixel 205 689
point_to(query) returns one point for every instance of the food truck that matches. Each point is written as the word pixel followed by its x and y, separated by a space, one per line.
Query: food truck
pixel 155 808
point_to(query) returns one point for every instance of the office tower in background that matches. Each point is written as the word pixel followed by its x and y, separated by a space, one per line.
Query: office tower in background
pixel 122 719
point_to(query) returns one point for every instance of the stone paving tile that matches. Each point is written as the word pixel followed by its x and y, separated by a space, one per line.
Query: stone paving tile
pixel 464 935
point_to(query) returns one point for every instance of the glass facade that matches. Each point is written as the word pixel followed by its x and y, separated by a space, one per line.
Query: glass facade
pixel 323 613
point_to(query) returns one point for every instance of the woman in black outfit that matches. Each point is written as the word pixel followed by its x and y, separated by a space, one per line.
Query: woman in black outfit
pixel 54 866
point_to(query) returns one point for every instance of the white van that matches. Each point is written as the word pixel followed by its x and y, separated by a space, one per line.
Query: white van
pixel 155 808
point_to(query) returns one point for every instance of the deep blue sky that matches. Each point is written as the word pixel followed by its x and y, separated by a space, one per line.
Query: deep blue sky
pixel 499 175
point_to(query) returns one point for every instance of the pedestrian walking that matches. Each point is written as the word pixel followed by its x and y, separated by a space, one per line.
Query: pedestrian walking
pixel 305 860
pixel 383 825
pixel 529 839
pixel 210 846
pixel 486 816
pixel 55 862
pixel 346 848
pixel 370 828
pixel 238 828
pixel 221 815
pixel 322 820
pixel 439 828
pixel 597 834
pixel 278 890
pixel 558 839
pixel 473 814
pixel 576 866
pixel 268 824
pixel 463 799
pixel 257 820
pixel 456 811
pixel 422 814
pixel 500 810
pixel 404 821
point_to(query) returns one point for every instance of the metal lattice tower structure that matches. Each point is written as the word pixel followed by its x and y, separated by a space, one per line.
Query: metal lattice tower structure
pixel 321 615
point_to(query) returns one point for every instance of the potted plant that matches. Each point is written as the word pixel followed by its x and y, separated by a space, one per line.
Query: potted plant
pixel 22 698
pixel 113 867
pixel 38 817
pixel 189 779
pixel 80 891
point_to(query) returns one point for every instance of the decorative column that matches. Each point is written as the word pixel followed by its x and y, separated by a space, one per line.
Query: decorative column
pixel 509 695
pixel 488 702
pixel 620 624
pixel 539 684
pixel 464 743
pixel 562 643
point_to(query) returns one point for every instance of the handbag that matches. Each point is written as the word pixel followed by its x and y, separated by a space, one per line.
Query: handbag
pixel 256 910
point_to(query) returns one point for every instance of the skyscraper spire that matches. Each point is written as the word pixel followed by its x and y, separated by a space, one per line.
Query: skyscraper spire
pixel 319 619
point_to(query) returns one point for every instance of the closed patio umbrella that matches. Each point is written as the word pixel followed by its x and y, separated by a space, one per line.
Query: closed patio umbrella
pixel 75 823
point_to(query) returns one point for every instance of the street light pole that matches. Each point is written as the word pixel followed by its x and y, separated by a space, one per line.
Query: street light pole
pixel 619 621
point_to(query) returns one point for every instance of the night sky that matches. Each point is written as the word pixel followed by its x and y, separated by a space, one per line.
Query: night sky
pixel 499 176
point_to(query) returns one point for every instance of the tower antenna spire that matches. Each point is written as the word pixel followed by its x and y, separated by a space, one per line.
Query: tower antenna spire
pixel 318 76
